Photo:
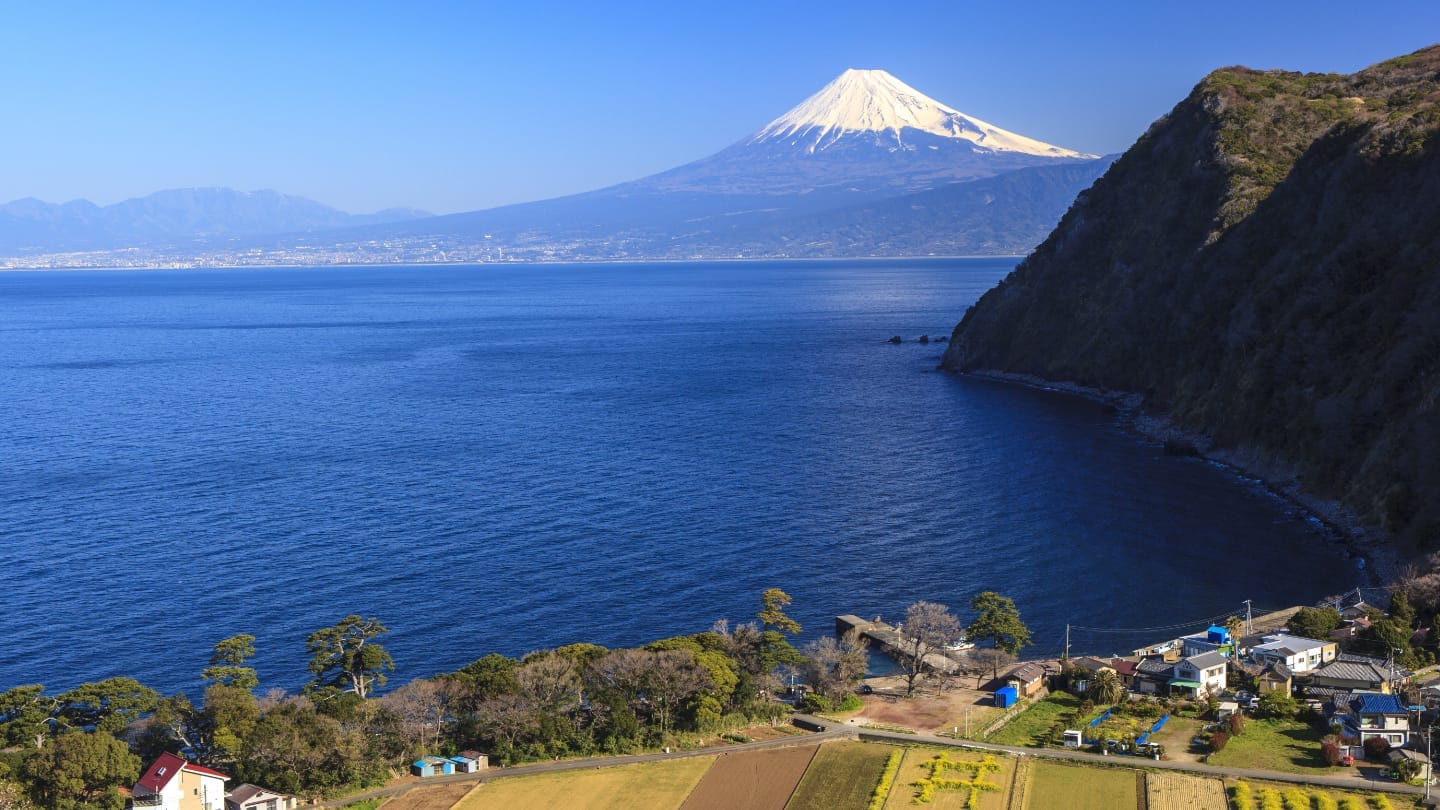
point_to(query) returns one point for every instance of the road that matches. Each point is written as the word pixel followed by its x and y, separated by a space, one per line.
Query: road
pixel 833 730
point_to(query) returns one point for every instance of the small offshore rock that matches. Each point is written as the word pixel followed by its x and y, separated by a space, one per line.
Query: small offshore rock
pixel 897 339
pixel 924 339
pixel 1180 447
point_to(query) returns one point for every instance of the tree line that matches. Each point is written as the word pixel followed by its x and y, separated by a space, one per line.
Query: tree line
pixel 74 750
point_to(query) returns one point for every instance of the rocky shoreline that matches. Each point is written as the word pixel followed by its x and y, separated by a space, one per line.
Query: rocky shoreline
pixel 1379 561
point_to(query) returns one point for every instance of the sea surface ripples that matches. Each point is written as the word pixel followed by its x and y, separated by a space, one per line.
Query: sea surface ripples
pixel 499 459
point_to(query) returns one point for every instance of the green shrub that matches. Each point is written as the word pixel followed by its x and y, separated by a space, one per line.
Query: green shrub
pixel 812 703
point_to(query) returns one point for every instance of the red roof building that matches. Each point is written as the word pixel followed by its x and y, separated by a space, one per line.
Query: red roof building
pixel 172 783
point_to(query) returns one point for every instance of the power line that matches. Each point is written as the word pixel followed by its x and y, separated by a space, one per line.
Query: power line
pixel 1179 626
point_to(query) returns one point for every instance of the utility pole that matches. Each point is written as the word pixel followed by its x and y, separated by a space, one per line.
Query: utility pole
pixel 1249 623
pixel 1429 767
pixel 1067 642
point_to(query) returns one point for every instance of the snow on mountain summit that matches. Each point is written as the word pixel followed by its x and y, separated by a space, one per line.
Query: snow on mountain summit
pixel 874 101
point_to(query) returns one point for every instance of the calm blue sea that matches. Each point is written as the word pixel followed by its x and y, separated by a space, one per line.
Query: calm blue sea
pixel 500 459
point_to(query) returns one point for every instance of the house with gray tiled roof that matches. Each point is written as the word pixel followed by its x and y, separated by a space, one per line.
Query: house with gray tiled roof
pixel 1152 676
pixel 1202 674
pixel 1358 673
pixel 1297 653
pixel 254 797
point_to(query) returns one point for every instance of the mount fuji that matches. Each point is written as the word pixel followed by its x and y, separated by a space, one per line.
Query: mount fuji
pixel 867 166
pixel 859 147
pixel 864 133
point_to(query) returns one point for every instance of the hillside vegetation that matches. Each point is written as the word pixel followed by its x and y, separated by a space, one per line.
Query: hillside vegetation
pixel 1263 266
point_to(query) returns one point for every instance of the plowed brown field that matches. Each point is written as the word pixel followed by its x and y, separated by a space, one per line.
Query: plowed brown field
pixel 751 780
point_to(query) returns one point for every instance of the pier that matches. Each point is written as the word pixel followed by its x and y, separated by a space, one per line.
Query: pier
pixel 887 639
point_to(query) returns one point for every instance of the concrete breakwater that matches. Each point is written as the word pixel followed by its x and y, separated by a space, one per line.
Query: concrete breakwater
pixel 888 639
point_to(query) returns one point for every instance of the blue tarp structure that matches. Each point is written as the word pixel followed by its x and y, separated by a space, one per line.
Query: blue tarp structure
pixel 1159 724
pixel 1142 738
pixel 1097 721
pixel 1006 696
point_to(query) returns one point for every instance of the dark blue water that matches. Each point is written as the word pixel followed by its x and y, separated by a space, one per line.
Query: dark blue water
pixel 499 459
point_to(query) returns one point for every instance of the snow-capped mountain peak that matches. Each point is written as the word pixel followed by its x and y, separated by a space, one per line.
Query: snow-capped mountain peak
pixel 874 101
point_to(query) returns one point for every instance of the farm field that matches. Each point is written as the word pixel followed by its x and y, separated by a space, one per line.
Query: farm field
pixel 441 797
pixel 751 780
pixel 950 765
pixel 1177 791
pixel 843 774
pixel 1261 795
pixel 1078 788
pixel 651 786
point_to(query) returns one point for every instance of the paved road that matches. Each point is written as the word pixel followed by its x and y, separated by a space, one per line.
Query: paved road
pixel 832 730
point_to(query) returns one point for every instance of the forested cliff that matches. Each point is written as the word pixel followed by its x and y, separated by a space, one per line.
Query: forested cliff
pixel 1263 265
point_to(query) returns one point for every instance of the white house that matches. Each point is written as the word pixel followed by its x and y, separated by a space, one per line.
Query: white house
pixel 1297 653
pixel 171 783
pixel 1201 674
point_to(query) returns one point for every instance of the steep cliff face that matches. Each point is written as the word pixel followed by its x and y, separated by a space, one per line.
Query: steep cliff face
pixel 1264 267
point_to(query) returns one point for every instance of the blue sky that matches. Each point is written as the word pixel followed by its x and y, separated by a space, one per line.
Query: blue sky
pixel 458 106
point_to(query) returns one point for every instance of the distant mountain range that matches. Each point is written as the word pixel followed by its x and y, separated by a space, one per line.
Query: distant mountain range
pixel 866 166
pixel 1262 270
pixel 188 216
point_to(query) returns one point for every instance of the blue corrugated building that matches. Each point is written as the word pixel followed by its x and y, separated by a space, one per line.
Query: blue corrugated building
pixel 431 766
pixel 1006 696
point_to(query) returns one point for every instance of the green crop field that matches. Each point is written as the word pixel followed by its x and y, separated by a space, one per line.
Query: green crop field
pixel 842 775
pixel 1076 788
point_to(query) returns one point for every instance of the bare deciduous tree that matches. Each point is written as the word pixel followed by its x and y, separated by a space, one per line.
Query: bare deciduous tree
pixel 673 677
pixel 834 667
pixel 507 717
pixel 550 681
pixel 928 627
pixel 420 708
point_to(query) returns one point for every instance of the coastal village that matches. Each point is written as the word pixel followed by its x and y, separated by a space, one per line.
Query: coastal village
pixel 1240 713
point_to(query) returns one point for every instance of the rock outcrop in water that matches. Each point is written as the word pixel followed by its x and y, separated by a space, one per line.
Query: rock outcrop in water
pixel 1263 267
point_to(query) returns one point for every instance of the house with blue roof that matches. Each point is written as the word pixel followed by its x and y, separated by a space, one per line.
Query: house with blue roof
pixel 1373 714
